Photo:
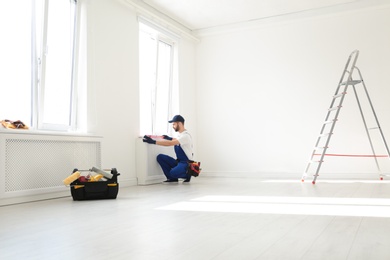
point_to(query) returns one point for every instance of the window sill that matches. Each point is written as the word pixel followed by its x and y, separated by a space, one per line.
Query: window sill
pixel 45 132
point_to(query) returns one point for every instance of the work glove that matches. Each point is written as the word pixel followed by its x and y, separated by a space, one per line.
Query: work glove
pixel 148 140
pixel 167 137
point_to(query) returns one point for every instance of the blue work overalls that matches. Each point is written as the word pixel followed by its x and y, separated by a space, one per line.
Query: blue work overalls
pixel 174 169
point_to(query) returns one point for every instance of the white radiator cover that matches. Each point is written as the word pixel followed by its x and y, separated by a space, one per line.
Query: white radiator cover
pixel 148 169
pixel 33 164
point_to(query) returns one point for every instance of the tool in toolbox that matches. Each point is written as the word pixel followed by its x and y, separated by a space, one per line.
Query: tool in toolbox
pixel 103 185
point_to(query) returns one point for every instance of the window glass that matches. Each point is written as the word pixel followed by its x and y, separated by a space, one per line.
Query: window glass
pixel 15 63
pixel 156 81
pixel 57 83
pixel 37 62
pixel 163 87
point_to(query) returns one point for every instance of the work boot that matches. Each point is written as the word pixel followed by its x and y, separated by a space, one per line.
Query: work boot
pixel 170 181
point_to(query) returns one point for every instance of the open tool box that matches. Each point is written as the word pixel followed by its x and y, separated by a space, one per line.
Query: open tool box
pixel 96 184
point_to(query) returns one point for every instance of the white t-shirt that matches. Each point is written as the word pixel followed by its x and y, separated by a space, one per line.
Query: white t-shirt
pixel 185 141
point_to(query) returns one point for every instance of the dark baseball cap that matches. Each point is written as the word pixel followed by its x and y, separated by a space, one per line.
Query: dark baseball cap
pixel 177 118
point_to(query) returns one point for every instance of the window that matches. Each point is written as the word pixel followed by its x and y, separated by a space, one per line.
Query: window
pixel 158 94
pixel 16 55
pixel 37 62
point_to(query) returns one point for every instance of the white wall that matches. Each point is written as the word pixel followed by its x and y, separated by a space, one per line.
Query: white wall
pixel 263 92
pixel 187 92
pixel 113 97
pixel 254 99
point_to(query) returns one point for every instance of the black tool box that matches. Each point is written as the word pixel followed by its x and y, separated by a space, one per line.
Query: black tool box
pixel 107 189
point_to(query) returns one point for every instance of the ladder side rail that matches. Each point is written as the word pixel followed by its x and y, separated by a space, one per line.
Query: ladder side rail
pixel 366 129
pixel 374 113
pixel 322 132
pixel 356 52
pixel 338 88
pixel 324 126
pixel 333 102
pixel 314 153
pixel 337 114
pixel 329 136
pixel 336 93
pixel 346 69
pixel 349 80
pixel 312 156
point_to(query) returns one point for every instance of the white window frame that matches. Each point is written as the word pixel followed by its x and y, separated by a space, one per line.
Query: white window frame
pixel 40 74
pixel 30 63
pixel 167 37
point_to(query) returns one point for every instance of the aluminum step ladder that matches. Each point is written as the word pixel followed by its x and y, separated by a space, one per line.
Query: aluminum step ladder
pixel 332 116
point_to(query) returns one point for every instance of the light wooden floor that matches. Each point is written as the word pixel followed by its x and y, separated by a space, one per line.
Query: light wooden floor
pixel 211 218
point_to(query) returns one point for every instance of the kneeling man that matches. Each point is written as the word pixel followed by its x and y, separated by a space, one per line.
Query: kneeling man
pixel 175 168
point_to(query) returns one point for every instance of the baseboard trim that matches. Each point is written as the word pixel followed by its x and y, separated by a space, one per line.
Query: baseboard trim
pixel 291 175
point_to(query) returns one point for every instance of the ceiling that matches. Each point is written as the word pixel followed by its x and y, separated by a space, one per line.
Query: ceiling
pixel 205 14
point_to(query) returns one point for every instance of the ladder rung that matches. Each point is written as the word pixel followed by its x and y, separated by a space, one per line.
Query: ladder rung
pixel 323 135
pixel 352 82
pixel 320 148
pixel 339 95
pixel 330 121
pixel 373 128
pixel 334 108
pixel 315 161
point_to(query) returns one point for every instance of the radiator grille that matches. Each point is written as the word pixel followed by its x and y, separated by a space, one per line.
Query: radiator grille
pixel 41 164
pixel 148 170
